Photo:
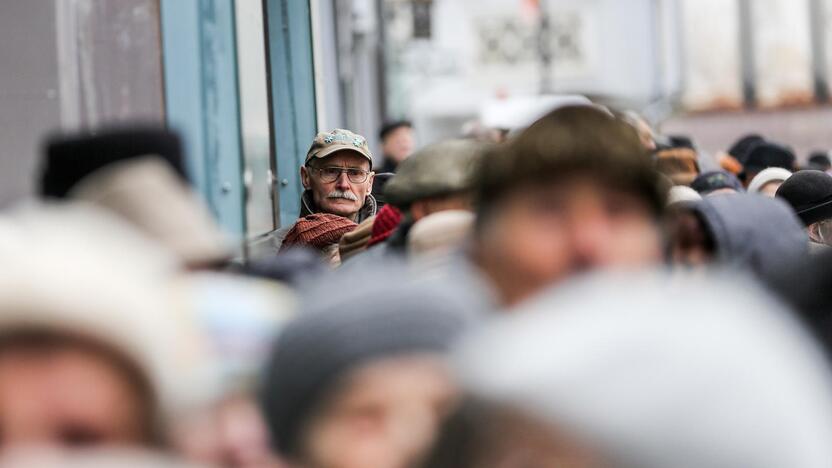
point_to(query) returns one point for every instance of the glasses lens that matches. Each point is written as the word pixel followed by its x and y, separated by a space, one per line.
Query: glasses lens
pixel 330 174
pixel 356 176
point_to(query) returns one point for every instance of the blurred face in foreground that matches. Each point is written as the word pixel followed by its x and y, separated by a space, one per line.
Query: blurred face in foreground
pixel 384 415
pixel 691 245
pixel 770 189
pixel 499 437
pixel 539 235
pixel 61 394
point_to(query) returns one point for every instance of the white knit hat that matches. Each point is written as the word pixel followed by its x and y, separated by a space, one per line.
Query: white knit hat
pixel 148 193
pixel 78 269
pixel 772 174
pixel 682 194
pixel 702 373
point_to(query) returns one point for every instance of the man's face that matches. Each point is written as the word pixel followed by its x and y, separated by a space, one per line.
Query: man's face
pixel 385 415
pixel 337 194
pixel 528 443
pixel 539 235
pixel 691 245
pixel 66 397
pixel 770 189
pixel 398 144
pixel 821 232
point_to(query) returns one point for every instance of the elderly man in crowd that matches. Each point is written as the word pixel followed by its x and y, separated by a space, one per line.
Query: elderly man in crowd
pixel 337 176
pixel 337 179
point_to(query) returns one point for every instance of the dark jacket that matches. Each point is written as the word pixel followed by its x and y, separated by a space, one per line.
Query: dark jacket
pixel 754 232
pixel 388 166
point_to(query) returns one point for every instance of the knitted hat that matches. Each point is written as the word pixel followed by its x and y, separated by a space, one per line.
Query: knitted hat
pixel 387 220
pixel 337 330
pixel 71 158
pixel 741 149
pixel 810 194
pixel 680 164
pixel 716 180
pixel 772 174
pixel 765 155
pixel 318 231
pixel 820 160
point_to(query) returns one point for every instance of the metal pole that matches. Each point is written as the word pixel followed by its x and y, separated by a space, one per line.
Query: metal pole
pixel 749 72
pixel 817 22
pixel 544 49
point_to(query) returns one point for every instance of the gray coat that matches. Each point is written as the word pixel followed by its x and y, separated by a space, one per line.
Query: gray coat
pixel 754 232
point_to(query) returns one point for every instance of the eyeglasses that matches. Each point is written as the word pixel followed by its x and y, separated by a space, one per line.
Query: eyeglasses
pixel 331 174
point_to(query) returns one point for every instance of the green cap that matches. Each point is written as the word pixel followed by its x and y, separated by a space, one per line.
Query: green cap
pixel 327 143
pixel 440 169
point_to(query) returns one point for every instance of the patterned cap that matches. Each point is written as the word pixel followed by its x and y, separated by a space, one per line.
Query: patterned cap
pixel 327 143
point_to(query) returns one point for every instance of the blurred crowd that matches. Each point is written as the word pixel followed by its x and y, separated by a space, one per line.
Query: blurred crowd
pixel 576 293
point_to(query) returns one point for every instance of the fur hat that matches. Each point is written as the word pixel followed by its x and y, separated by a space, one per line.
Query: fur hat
pixel 69 159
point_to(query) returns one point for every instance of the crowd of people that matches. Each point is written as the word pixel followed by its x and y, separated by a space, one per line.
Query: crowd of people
pixel 579 295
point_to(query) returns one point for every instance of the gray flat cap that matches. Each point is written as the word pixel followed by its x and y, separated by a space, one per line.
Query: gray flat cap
pixel 439 169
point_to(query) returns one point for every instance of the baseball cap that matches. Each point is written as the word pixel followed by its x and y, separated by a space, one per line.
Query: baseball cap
pixel 327 143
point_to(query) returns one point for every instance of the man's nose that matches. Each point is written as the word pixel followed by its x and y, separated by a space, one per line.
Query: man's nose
pixel 343 181
pixel 590 239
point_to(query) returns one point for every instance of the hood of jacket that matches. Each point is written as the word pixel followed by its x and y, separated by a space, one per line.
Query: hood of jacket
pixel 754 232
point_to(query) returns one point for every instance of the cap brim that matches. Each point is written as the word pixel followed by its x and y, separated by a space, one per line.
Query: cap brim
pixel 330 150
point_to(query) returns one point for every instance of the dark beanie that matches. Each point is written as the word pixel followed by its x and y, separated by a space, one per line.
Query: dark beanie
pixel 742 148
pixel 341 329
pixel 69 159
pixel 765 155
pixel 716 180
pixel 810 194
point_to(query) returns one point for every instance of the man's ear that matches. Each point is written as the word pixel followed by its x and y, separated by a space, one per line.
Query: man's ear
pixel 370 181
pixel 814 233
pixel 305 177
